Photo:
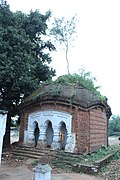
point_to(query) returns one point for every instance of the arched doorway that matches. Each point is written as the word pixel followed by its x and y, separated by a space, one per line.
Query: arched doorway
pixel 36 132
pixel 63 135
pixel 49 134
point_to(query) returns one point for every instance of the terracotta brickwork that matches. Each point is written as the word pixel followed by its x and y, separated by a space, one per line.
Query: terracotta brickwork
pixel 83 131
pixel 89 126
pixel 98 128
pixel 85 116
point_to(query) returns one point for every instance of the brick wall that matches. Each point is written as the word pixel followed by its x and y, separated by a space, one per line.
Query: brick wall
pixel 83 131
pixel 90 126
pixel 98 129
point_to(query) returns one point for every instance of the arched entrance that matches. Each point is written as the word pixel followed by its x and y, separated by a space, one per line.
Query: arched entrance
pixel 36 132
pixel 63 135
pixel 49 134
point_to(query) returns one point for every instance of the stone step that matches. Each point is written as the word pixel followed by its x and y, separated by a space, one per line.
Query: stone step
pixel 69 160
pixel 26 155
pixel 32 152
pixel 19 151
pixel 68 154
pixel 65 160
pixel 31 149
pixel 36 149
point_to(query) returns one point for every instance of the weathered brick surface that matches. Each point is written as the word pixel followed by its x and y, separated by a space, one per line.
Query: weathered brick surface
pixel 89 126
pixel 98 129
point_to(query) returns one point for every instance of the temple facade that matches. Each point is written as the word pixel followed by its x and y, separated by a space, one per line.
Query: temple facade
pixel 64 117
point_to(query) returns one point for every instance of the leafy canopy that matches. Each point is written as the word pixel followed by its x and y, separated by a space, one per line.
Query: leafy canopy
pixel 114 125
pixel 24 55
pixel 24 58
pixel 64 31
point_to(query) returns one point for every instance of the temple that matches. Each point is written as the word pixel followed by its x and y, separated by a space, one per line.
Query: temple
pixel 67 117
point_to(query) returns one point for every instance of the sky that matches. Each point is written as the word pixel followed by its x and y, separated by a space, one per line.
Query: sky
pixel 97 46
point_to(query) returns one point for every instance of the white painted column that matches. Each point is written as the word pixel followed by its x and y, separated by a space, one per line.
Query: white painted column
pixel 56 138
pixel 25 136
pixel 42 172
pixel 71 141
pixel 42 133
pixel 3 118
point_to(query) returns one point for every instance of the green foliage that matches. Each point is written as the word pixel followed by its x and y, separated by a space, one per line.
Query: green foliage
pixel 99 154
pixel 35 162
pixel 23 61
pixel 84 78
pixel 111 171
pixel 114 125
pixel 24 55
pixel 86 159
pixel 64 32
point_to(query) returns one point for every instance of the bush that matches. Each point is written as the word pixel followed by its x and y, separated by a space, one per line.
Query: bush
pixel 114 126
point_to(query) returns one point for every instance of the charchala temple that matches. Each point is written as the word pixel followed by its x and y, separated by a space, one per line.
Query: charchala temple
pixel 64 116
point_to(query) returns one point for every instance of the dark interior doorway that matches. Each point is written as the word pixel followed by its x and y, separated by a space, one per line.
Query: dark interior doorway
pixel 63 135
pixel 36 133
pixel 49 134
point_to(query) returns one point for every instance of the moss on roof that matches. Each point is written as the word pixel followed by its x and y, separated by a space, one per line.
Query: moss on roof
pixel 70 89
pixel 72 93
pixel 71 86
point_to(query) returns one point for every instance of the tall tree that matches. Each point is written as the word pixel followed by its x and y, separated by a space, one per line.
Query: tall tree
pixel 24 58
pixel 64 31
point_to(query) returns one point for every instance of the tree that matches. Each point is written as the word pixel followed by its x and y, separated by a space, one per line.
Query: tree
pixel 24 58
pixel 114 125
pixel 64 32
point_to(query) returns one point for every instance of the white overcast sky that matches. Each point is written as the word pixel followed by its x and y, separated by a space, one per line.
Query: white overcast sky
pixel 97 47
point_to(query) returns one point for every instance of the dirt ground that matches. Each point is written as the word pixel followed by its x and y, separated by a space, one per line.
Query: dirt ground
pixel 19 173
pixel 12 169
pixel 20 169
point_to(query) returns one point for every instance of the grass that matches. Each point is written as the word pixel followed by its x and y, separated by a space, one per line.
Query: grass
pixel 35 162
pixel 65 160
pixel 112 170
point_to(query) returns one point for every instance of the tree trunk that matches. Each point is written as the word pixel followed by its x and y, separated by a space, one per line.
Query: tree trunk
pixel 6 139
pixel 67 59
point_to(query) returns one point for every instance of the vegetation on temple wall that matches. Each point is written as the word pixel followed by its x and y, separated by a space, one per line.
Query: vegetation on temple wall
pixel 83 78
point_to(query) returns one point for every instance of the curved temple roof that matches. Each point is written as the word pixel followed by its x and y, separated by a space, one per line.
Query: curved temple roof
pixel 70 93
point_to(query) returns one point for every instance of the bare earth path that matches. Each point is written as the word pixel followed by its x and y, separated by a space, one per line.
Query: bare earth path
pixel 16 169
pixel 23 173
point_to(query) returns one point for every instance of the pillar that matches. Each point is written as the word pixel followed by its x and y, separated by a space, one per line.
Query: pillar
pixel 42 172
pixel 3 118
pixel 56 138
